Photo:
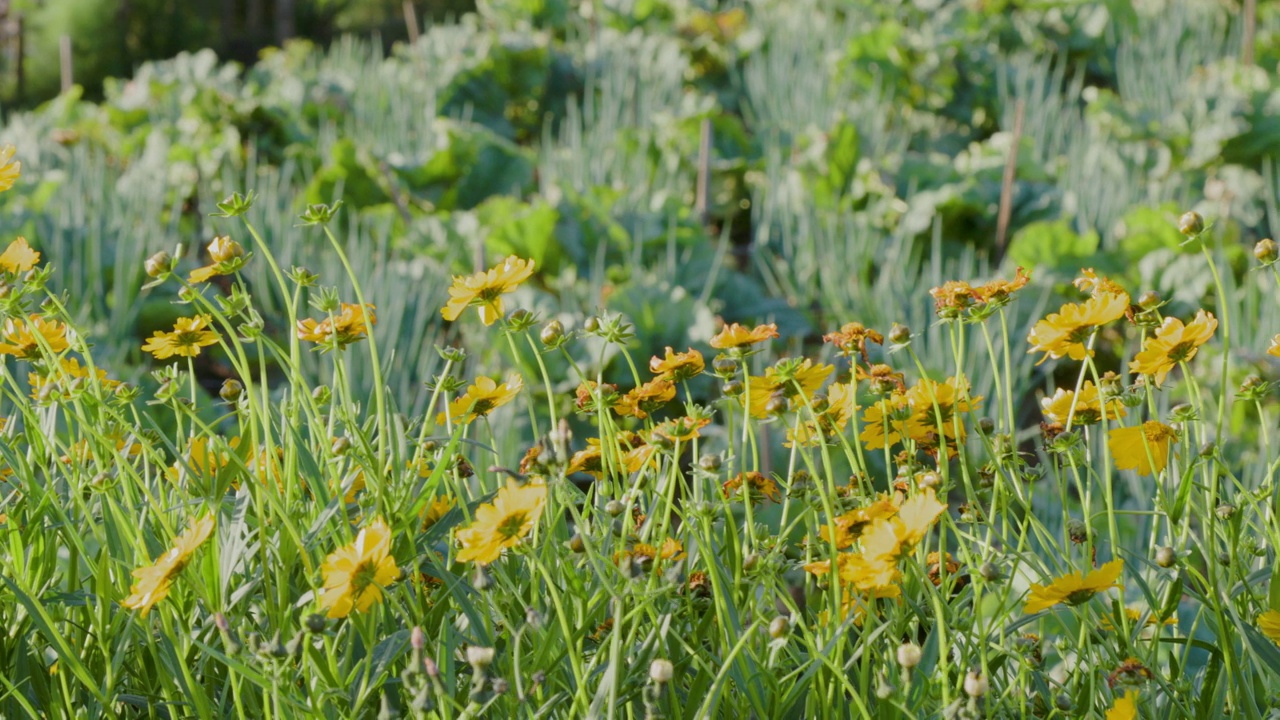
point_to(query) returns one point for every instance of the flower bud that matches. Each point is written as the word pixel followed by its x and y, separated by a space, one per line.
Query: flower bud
pixel 1165 557
pixel 1149 300
pixel 1191 223
pixel 614 508
pixel 986 425
pixel 930 480
pixel 990 572
pixel 1077 531
pixel 777 404
pixel 315 623
pixel 159 264
pixel 592 324
pixel 975 684
pixel 576 544
pixel 725 367
pixel 224 249
pixel 1266 251
pixel 479 657
pixel 778 627
pixel 899 334
pixel 1226 511
pixel 661 671
pixel 341 445
pixel 231 390
pixel 909 655
pixel 552 333
pixel 417 639
pixel 710 463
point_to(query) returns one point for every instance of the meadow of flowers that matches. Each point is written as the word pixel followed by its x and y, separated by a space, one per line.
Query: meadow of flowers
pixel 290 546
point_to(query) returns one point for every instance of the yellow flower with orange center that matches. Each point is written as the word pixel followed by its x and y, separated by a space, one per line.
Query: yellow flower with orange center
pixel 758 485
pixel 22 338
pixel 188 336
pixel 484 290
pixel 356 574
pixel 735 336
pixel 646 399
pixel 1173 343
pixel 504 522
pixel 677 367
pixel 18 257
pixel 483 397
pixel 1087 406
pixel 1064 333
pixel 153 582
pixel 10 169
pixel 1074 588
pixel 227 255
pixel 1144 448
pixel 342 329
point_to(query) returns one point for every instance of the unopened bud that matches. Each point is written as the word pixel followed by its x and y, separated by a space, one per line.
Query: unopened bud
pixel 231 390
pixel 1149 300
pixel 975 684
pixel 1266 251
pixel 479 657
pixel 1191 223
pixel 224 249
pixel 159 264
pixel 909 655
pixel 661 671
pixel 1166 557
pixel 779 627
pixel 552 332
pixel 899 334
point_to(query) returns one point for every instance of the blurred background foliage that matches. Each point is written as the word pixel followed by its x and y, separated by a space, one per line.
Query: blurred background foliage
pixel 855 153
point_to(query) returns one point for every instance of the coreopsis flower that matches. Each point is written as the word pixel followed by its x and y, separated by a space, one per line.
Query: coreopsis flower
pixel 935 564
pixel 200 459
pixel 18 257
pixel 152 583
pixel 1074 588
pixel 342 329
pixel 637 453
pixel 1088 406
pixel 355 574
pixel 484 290
pixel 885 423
pixel 1274 349
pixel 682 429
pixel 827 423
pixel 70 371
pixel 790 379
pixel 999 292
pixel 10 169
pixel 504 522
pixel 1064 333
pixel 1090 282
pixel 759 486
pixel 1124 708
pixel 22 338
pixel 435 510
pixel 592 395
pixel 590 460
pixel 881 379
pixel 647 398
pixel 853 337
pixel 1269 623
pixel 1144 448
pixel 953 298
pixel 735 336
pixel 915 516
pixel 937 403
pixel 849 526
pixel 1173 343
pixel 224 252
pixel 189 334
pixel 677 367
pixel 483 397
pixel 671 549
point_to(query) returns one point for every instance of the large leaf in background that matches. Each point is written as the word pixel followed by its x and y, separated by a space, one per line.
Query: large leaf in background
pixel 1147 229
pixel 472 164
pixel 524 229
pixel 840 158
pixel 354 172
pixel 586 223
pixel 504 92
pixel 1051 245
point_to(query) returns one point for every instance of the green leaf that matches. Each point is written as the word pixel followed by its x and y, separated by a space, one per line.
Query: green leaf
pixel 1051 245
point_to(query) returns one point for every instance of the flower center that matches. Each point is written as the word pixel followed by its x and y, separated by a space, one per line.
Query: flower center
pixel 512 524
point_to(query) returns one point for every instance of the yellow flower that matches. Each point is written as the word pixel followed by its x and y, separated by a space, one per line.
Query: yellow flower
pixel 999 291
pixel 854 337
pixel 808 376
pixel 953 297
pixel 830 422
pixel 223 251
pixel 588 461
pixel 71 371
pixel 735 335
pixel 436 509
pixel 22 337
pixel 850 525
pixel 884 424
pixel 1088 406
pixel 1142 447
pixel 501 524
pixel 647 398
pixel 1125 708
pixel 677 366
pixel 1274 349
pixel 152 583
pixel 949 398
pixel 18 257
pixel 483 397
pixel 200 458
pixel 484 290
pixel 346 327
pixel 683 429
pixel 1065 332
pixel 354 575
pixel 916 516
pixel 760 486
pixel 1074 589
pixel 188 336
pixel 10 169
pixel 1173 343
pixel 1269 624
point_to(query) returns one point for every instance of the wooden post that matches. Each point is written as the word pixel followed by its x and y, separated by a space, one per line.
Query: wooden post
pixel 21 65
pixel 411 21
pixel 1006 186
pixel 1250 30
pixel 64 55
pixel 702 190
